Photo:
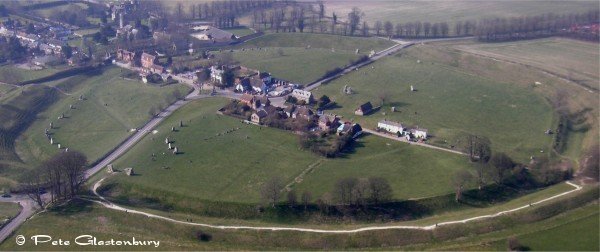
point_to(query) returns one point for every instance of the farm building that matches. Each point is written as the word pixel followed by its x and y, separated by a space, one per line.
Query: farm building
pixel 419 133
pixel 364 109
pixel 392 127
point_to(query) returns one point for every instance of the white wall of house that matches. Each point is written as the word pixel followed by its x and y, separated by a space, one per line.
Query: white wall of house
pixel 390 128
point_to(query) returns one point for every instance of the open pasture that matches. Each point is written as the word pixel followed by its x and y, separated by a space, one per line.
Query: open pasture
pixel 452 11
pixel 448 101
pixel 572 59
pixel 231 167
pixel 110 108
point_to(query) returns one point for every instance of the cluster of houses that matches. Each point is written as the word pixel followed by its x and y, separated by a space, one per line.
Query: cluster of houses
pixel 46 42
pixel 411 134
pixel 250 81
pixel 148 62
pixel 262 109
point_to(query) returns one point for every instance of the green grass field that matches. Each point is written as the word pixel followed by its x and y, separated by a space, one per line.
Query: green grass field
pixel 231 167
pixel 449 102
pixel 7 211
pixel 297 65
pixel 452 11
pixel 239 31
pixel 323 41
pixel 12 74
pixel 573 59
pixel 112 107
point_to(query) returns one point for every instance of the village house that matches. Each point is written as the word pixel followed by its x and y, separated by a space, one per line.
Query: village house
pixel 259 116
pixel 303 112
pixel 419 133
pixel 258 85
pixel 216 74
pixel 392 127
pixel 255 101
pixel 349 128
pixel 128 57
pixel 148 60
pixel 289 110
pixel 364 109
pixel 242 84
pixel 327 122
pixel 302 95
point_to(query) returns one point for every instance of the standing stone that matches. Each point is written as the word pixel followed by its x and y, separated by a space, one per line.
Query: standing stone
pixel 170 146
pixel 167 140
pixel 51 125
pixel 59 146
pixel 180 123
pixel 175 151
pixel 129 171
pixel 51 140
pixel 357 51
pixel 173 129
pixel 412 88
pixel 109 168
pixel 66 149
pixel 71 106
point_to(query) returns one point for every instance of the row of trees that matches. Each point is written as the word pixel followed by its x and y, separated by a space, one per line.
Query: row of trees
pixel 351 191
pixel 501 170
pixel 223 13
pixel 62 175
pixel 499 29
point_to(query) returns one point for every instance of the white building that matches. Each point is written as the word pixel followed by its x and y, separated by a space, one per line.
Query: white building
pixel 419 133
pixel 392 127
pixel 302 95
pixel 216 74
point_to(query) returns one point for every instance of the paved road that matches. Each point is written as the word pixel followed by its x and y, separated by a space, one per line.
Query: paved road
pixel 28 208
pixel 113 206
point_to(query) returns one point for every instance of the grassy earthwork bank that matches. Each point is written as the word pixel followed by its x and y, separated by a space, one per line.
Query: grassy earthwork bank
pixel 13 74
pixel 8 210
pixel 546 220
pixel 110 108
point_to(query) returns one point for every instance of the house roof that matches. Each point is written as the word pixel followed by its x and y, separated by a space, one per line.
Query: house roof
pixel 365 107
pixel 391 123
pixel 289 109
pixel 261 113
pixel 304 111
pixel 247 98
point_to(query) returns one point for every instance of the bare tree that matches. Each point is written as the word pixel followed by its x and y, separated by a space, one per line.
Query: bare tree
pixel 34 185
pixel 365 29
pixel 461 180
pixel 378 26
pixel 389 29
pixel 354 19
pixel 501 165
pixel 292 198
pixel 271 190
pixel 306 197
pixel 380 190
pixel 343 190
pixel 361 192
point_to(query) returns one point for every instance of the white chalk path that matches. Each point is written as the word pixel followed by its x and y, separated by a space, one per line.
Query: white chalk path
pixel 104 202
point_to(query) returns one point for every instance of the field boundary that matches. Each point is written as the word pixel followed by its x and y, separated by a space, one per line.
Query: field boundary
pixel 108 204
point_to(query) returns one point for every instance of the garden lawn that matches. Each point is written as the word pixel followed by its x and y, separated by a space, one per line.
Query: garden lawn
pixel 449 102
pixel 112 106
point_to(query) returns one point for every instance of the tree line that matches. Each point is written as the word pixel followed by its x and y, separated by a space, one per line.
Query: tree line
pixel 62 176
